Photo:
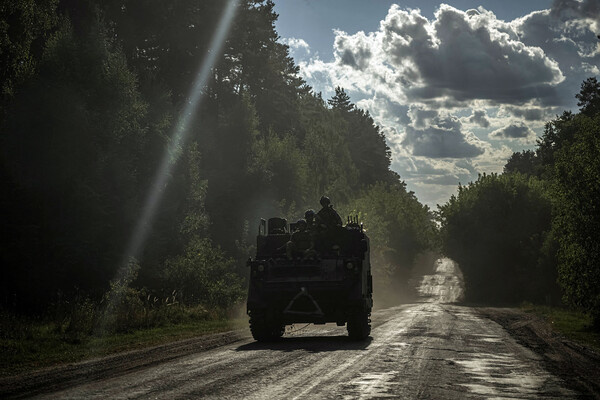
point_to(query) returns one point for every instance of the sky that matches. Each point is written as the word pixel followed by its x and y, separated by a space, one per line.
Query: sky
pixel 456 87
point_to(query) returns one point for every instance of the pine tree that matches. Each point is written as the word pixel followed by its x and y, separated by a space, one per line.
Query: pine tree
pixel 589 96
pixel 341 101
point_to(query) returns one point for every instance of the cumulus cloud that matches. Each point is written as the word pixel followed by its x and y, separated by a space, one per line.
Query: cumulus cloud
pixel 384 111
pixel 591 69
pixel 494 160
pixel 458 56
pixel 421 118
pixel 479 117
pixel 353 51
pixel 516 130
pixel 298 47
pixel 568 34
pixel 569 41
pixel 295 43
pixel 431 82
pixel 529 113
pixel 440 136
pixel 435 179
pixel 586 9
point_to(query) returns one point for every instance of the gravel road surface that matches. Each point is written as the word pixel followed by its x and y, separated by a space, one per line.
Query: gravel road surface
pixel 431 349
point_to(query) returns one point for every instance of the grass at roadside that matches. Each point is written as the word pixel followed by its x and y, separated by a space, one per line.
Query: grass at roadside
pixel 43 346
pixel 573 325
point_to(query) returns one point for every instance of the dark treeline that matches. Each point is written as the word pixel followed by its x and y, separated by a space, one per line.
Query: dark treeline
pixel 532 233
pixel 91 94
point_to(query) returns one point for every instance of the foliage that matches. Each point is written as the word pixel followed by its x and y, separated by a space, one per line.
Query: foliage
pixel 538 222
pixel 25 25
pixel 577 222
pixel 29 344
pixel 398 225
pixel 341 101
pixel 281 166
pixel 74 166
pixel 525 162
pixel 567 156
pixel 497 229
pixel 589 97
pixel 366 144
pixel 93 93
pixel 204 275
pixel 399 229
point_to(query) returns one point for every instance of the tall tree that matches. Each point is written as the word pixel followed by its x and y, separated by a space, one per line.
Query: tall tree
pixel 75 163
pixel 76 172
pixel 365 141
pixel 341 101
pixel 576 173
pixel 589 97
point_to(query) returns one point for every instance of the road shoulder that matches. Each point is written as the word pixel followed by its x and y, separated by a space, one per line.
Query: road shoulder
pixel 577 365
pixel 63 376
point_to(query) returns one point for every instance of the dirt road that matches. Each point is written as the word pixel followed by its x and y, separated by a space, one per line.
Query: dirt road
pixel 428 350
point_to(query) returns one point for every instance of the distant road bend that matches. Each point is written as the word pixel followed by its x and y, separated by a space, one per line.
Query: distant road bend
pixel 431 349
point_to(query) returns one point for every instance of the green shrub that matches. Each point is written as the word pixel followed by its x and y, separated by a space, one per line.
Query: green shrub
pixel 204 275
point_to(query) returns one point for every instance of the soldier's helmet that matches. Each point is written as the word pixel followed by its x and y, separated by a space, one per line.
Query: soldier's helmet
pixel 325 202
pixel 309 215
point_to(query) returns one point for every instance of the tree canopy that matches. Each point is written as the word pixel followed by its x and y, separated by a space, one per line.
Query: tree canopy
pixel 92 95
pixel 538 222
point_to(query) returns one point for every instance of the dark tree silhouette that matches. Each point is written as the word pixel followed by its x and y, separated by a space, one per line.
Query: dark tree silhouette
pixel 76 172
pixel 341 101
pixel 525 162
pixel 589 96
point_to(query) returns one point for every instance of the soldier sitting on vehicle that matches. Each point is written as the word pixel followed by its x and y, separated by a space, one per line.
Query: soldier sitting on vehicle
pixel 301 243
pixel 311 222
pixel 327 217
pixel 329 227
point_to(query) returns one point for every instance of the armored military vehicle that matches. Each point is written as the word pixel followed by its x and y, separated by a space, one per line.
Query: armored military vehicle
pixel 309 275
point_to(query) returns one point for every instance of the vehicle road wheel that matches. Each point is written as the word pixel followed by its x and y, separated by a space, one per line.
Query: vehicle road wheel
pixel 359 326
pixel 263 330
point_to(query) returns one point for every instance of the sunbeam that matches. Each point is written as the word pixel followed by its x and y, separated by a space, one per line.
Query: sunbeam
pixel 179 136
